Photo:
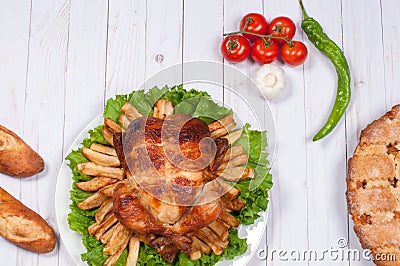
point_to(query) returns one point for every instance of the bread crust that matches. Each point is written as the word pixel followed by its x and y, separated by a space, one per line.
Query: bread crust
pixel 17 158
pixel 24 227
pixel 373 187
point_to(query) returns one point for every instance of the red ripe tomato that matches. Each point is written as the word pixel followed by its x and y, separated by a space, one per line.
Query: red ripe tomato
pixel 256 23
pixel 294 54
pixel 235 48
pixel 282 27
pixel 264 51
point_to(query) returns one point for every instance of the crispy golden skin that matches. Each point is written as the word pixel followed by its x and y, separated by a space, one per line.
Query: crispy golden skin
pixel 24 227
pixel 16 157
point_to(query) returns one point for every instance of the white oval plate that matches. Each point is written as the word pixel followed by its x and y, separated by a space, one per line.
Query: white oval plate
pixel 238 84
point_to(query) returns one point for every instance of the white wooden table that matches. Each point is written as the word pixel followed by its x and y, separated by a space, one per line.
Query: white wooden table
pixel 60 60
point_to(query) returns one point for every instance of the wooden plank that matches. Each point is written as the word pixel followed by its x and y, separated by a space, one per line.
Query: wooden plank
pixel 125 47
pixel 327 208
pixel 14 25
pixel 391 55
pixel 201 43
pixel 85 86
pixel 164 25
pixel 289 203
pixel 44 108
pixel 84 94
pixel 368 100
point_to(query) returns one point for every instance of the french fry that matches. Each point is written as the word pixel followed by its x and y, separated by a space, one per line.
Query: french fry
pixel 195 255
pixel 249 173
pixel 94 169
pixel 95 183
pixel 221 229
pixel 104 209
pixel 232 152
pixel 232 137
pixel 109 190
pixel 230 191
pixel 108 136
pixel 213 237
pixel 228 218
pixel 223 131
pixel 119 240
pixel 203 237
pixel 163 108
pixel 234 205
pixel 93 228
pixel 92 201
pixel 204 248
pixel 130 112
pixel 124 121
pixel 236 161
pixel 221 123
pixel 100 158
pixel 236 173
pixel 134 244
pixel 103 149
pixel 108 222
pixel 108 234
pixel 112 260
pixel 114 127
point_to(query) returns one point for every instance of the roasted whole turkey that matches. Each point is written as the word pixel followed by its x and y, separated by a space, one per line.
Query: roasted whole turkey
pixel 172 187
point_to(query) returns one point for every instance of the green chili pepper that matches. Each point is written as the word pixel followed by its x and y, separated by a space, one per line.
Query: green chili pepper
pixel 323 43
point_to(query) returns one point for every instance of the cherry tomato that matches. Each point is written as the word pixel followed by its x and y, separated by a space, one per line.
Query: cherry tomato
pixel 256 24
pixel 235 48
pixel 264 52
pixel 294 54
pixel 282 27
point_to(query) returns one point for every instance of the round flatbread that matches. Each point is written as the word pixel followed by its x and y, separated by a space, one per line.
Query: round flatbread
pixel 373 188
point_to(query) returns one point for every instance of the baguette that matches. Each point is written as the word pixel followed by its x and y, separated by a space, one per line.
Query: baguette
pixel 16 157
pixel 24 227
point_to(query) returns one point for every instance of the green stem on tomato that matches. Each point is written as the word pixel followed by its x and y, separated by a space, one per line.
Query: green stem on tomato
pixel 269 36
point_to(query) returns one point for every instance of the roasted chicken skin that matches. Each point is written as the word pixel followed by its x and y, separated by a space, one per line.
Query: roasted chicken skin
pixel 170 189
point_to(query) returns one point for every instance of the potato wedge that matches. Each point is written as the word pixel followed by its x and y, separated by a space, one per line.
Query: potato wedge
pixel 232 137
pixel 221 123
pixel 119 240
pixel 105 225
pixel 234 205
pixel 95 183
pixel 109 190
pixel 112 126
pixel 130 112
pixel 112 260
pixel 103 149
pixel 94 169
pixel 104 210
pixel 133 254
pixel 163 108
pixel 221 229
pixel 223 131
pixel 100 158
pixel 204 248
pixel 232 152
pixel 236 161
pixel 236 173
pixel 228 218
pixel 17 158
pixel 108 234
pixel 108 135
pixel 92 201
pixel 214 246
pixel 124 121
pixel 213 237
